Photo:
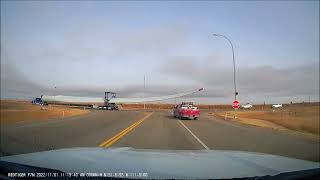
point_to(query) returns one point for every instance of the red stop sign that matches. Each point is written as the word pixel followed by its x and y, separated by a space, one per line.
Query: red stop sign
pixel 236 104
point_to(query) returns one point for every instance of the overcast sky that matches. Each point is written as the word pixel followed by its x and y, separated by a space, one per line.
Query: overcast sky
pixel 84 48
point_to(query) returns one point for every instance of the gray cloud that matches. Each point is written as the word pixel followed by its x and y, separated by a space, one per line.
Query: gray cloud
pixel 14 84
pixel 150 40
pixel 107 43
pixel 299 80
pixel 259 80
pixel 196 72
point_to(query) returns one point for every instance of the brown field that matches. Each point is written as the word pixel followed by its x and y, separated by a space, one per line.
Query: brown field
pixel 13 111
pixel 297 117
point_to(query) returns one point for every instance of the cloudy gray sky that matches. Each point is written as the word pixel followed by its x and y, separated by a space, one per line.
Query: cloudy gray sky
pixel 85 48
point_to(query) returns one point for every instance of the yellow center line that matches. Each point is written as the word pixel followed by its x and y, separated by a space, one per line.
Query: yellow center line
pixel 120 134
pixel 116 137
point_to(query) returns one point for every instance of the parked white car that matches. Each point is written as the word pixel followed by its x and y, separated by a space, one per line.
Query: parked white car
pixel 246 106
pixel 276 106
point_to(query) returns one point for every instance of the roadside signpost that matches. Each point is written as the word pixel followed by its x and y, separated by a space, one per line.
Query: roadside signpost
pixel 236 104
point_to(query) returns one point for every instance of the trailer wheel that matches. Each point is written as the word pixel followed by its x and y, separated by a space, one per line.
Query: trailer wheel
pixel 195 118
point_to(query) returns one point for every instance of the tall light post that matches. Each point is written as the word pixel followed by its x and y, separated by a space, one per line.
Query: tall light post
pixel 234 65
pixel 55 91
pixel 144 87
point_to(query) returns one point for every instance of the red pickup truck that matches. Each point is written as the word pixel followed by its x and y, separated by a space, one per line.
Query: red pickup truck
pixel 186 110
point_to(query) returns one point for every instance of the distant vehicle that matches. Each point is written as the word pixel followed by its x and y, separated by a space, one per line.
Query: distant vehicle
pixel 112 106
pixel 109 106
pixel 186 110
pixel 37 101
pixel 276 106
pixel 246 106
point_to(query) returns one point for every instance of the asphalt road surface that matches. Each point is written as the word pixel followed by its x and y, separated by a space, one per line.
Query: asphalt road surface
pixel 152 130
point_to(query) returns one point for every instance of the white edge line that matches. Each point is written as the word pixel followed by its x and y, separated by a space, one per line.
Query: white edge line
pixel 204 145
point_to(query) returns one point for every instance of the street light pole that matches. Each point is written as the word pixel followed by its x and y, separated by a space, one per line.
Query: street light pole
pixel 144 87
pixel 234 65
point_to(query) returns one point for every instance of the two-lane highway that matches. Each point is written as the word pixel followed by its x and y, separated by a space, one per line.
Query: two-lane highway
pixel 161 131
pixel 152 130
pixel 81 131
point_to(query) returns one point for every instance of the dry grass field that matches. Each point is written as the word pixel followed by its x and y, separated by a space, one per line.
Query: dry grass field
pixel 298 117
pixel 13 111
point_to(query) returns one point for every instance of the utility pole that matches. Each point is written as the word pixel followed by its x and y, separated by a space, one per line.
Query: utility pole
pixel 144 86
pixel 175 99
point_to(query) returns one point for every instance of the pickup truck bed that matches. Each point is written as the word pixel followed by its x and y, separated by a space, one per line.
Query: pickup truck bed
pixel 186 112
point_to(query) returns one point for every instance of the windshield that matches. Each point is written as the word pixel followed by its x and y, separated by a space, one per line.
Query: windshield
pixel 230 84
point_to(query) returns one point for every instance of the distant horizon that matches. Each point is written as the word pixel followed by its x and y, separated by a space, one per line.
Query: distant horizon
pixel 177 102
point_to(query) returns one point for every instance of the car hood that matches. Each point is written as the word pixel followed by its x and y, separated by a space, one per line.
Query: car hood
pixel 181 164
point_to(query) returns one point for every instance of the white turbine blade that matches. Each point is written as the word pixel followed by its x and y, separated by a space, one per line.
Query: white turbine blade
pixel 78 99
pixel 72 99
pixel 151 99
